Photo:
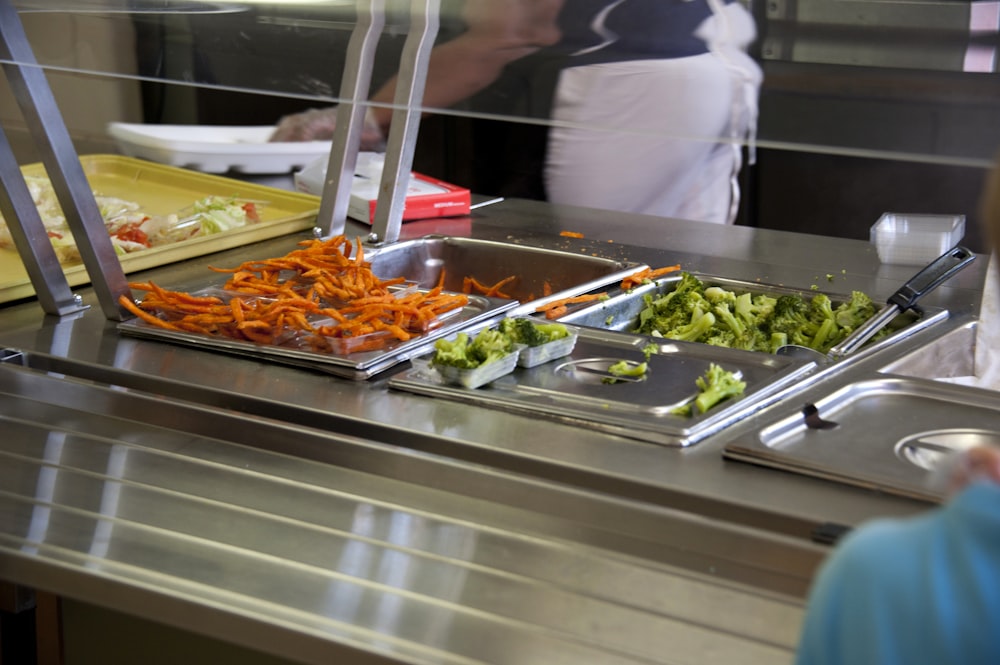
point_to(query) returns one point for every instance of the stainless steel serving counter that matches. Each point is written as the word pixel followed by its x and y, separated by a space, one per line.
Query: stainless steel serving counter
pixel 313 517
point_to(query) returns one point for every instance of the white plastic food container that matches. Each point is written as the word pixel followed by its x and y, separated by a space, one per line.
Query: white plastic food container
pixel 530 356
pixel 909 239
pixel 215 149
pixel 468 378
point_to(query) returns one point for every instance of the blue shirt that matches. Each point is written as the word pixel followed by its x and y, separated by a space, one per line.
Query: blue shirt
pixel 912 591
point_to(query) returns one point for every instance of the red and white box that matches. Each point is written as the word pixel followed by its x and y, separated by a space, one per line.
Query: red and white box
pixel 426 197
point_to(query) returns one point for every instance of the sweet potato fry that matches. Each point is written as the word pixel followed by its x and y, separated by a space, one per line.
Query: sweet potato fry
pixel 635 279
pixel 556 308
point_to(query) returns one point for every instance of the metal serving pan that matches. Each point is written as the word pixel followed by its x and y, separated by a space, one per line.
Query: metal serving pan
pixel 621 310
pixel 886 434
pixel 358 366
pixel 540 275
pixel 567 390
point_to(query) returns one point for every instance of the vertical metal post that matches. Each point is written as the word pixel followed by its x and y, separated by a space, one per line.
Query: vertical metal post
pixel 355 86
pixel 424 22
pixel 37 104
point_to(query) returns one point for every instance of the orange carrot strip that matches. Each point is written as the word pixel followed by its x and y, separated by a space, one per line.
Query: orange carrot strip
pixel 555 312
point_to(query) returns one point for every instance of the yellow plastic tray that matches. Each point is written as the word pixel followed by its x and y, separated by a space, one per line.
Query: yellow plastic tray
pixel 161 190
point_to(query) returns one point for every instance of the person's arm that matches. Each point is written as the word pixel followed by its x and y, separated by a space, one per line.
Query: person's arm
pixel 498 33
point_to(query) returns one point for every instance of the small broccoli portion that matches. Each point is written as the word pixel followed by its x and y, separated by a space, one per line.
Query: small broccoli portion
pixel 625 368
pixel 530 333
pixel 462 352
pixel 716 385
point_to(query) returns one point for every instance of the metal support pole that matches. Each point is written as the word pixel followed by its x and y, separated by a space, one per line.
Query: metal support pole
pixel 355 86
pixel 34 97
pixel 424 22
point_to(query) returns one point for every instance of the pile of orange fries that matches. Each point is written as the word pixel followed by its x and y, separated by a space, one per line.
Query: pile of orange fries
pixel 319 297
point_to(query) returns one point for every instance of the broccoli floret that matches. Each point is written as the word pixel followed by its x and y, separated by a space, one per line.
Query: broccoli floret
pixel 691 332
pixel 676 308
pixel 625 368
pixel 778 339
pixel 521 330
pixel 822 326
pixel 490 345
pixel 530 333
pixel 453 352
pixel 552 331
pixel 791 315
pixel 855 311
pixel 755 310
pixel 725 316
pixel 717 294
pixel 821 307
pixel 791 307
pixel 719 336
pixel 757 339
pixel 826 336
pixel 487 346
pixel 715 386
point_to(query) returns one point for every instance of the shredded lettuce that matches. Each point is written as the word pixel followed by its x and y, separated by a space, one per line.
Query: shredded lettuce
pixel 123 218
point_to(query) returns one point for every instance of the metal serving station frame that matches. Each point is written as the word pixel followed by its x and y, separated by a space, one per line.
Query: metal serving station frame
pixel 49 132
pixel 295 514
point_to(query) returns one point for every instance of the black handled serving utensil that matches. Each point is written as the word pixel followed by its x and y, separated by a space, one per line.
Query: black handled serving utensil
pixel 906 297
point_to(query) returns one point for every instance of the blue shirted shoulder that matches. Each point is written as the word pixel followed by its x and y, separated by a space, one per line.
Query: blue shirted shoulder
pixel 912 591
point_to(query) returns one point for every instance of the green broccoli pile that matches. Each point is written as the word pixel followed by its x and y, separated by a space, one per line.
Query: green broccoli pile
pixel 754 322
pixel 716 385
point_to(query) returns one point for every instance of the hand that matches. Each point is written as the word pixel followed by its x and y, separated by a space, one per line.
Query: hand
pixel 979 463
pixel 320 124
pixel 959 469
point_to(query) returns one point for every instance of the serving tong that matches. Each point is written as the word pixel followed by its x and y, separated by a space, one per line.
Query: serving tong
pixel 906 297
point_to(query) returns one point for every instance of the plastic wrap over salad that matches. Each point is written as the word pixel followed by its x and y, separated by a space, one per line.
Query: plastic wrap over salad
pixel 130 227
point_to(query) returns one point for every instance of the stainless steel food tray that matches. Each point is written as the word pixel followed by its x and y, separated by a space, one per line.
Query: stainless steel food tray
pixel 621 310
pixel 564 390
pixel 358 366
pixel 889 434
pixel 540 274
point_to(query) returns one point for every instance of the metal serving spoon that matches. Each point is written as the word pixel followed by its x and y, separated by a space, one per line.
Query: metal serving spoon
pixel 925 281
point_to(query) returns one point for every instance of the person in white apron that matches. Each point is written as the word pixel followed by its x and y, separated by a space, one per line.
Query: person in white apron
pixel 649 106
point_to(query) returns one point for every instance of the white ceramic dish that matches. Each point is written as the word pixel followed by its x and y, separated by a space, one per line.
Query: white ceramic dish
pixel 215 149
